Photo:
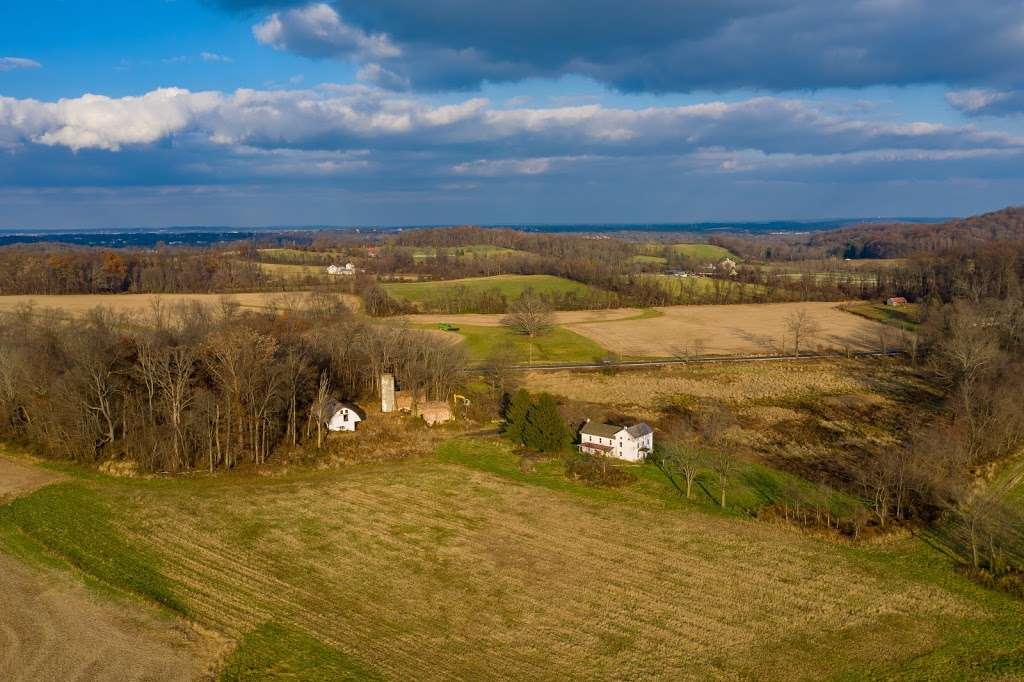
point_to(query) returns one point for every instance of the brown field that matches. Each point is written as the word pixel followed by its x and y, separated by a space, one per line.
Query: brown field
pixel 734 330
pixel 565 317
pixel 736 384
pixel 53 628
pixel 135 304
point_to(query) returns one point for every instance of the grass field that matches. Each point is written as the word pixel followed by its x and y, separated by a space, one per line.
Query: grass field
pixel 735 329
pixel 707 290
pixel 703 252
pixel 461 566
pixel 559 345
pixel 468 251
pixel 511 286
pixel 904 317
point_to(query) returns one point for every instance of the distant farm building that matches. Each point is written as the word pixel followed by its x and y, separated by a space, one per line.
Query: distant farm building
pixel 393 400
pixel 341 416
pixel 631 443
pixel 346 269
pixel 896 301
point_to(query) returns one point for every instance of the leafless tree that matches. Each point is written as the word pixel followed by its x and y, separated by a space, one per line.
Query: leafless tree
pixel 802 327
pixel 529 315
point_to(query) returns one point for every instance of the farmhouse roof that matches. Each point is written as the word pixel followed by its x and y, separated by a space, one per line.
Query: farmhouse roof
pixel 600 430
pixel 332 406
pixel 639 430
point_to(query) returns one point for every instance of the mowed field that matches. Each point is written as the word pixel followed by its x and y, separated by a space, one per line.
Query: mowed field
pixel 141 304
pixel 735 330
pixel 460 566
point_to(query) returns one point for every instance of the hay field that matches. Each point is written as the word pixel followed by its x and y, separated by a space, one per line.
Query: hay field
pixel 142 304
pixel 734 330
pixel 434 570
pixel 511 286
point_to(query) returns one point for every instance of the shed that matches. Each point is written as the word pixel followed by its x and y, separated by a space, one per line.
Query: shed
pixel 341 416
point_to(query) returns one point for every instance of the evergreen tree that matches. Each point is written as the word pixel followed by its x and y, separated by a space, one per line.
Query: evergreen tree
pixel 545 429
pixel 516 414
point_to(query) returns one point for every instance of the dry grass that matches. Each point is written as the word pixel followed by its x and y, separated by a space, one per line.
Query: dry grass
pixel 737 384
pixel 735 329
pixel 142 304
pixel 435 572
pixel 18 478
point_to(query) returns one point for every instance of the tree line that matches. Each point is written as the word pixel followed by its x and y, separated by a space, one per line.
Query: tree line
pixel 201 386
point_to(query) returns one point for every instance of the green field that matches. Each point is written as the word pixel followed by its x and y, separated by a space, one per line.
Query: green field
pixel 707 290
pixel 904 317
pixel 465 565
pixel 511 286
pixel 468 251
pixel 645 259
pixel 558 345
pixel 703 252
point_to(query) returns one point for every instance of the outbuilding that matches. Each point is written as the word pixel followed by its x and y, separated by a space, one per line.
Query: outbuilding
pixel 342 416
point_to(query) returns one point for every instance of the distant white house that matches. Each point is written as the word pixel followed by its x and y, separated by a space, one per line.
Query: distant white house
pixel 346 269
pixel 631 443
pixel 341 416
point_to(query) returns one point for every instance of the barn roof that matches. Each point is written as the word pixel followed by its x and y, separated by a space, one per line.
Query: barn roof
pixel 600 430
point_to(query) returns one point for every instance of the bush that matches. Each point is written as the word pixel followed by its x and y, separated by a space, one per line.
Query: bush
pixel 597 471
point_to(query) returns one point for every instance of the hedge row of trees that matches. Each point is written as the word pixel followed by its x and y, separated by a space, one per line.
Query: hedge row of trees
pixel 199 386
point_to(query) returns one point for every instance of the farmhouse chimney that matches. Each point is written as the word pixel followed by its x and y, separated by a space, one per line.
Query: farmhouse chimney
pixel 387 393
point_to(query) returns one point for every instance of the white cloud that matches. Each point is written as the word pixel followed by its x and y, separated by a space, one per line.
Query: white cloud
pixel 12 63
pixel 319 28
pixel 214 57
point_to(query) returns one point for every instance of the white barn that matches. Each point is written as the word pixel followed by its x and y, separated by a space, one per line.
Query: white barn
pixel 632 443
pixel 342 416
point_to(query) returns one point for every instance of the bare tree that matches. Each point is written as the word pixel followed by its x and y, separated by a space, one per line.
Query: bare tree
pixel 723 463
pixel 529 315
pixel 802 327
pixel 680 454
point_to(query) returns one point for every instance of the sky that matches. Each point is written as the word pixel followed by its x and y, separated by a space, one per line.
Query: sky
pixel 150 113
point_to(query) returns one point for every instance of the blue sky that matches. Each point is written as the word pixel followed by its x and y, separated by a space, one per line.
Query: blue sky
pixel 231 112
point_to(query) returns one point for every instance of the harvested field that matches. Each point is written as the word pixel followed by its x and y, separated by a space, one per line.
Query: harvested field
pixel 136 304
pixel 53 628
pixel 561 317
pixel 436 570
pixel 750 329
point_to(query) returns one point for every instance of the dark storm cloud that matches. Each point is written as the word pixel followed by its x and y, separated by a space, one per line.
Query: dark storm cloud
pixel 658 45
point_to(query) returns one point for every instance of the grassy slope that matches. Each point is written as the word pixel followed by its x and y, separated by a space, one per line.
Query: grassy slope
pixel 464 566
pixel 468 251
pixel 512 286
pixel 559 345
pixel 904 317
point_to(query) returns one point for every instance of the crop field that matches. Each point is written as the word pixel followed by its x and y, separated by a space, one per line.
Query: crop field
pixel 142 304
pixel 736 330
pixel 288 271
pixel 460 566
pixel 904 317
pixel 511 286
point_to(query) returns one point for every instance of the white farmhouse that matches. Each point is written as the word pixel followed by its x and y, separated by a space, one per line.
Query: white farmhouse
pixel 341 416
pixel 347 269
pixel 629 443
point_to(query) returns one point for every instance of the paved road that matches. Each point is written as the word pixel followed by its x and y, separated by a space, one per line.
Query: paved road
pixel 701 360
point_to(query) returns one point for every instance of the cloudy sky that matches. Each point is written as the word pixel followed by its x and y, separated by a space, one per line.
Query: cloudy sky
pixel 390 112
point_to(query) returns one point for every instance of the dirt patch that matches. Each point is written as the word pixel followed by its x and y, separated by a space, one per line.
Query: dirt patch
pixel 55 629
pixel 735 330
pixel 20 479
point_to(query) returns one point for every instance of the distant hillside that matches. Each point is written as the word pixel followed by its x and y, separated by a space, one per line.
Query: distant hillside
pixel 898 240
